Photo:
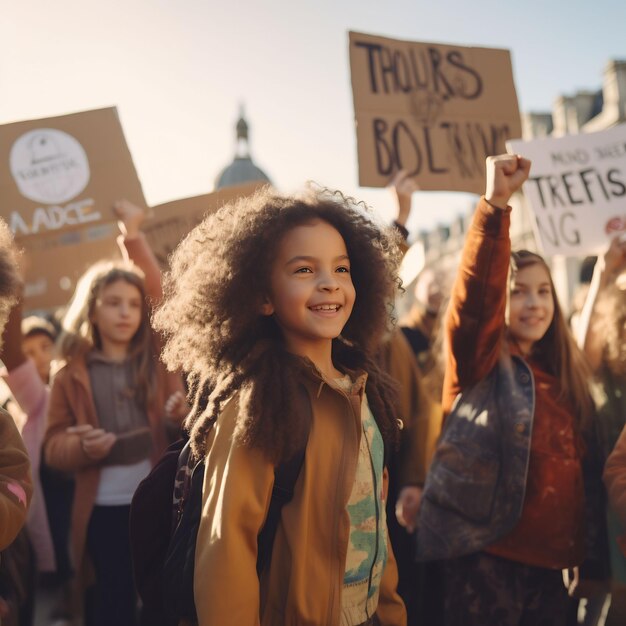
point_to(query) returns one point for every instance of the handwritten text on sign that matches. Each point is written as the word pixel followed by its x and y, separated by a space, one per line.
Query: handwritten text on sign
pixel 63 173
pixel 577 189
pixel 435 110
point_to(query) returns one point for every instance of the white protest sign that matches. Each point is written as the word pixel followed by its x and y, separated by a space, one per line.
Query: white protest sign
pixel 576 189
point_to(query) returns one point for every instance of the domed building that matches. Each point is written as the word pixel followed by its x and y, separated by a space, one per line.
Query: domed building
pixel 242 169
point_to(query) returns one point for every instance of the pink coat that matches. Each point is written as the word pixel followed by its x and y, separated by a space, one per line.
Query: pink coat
pixel 33 396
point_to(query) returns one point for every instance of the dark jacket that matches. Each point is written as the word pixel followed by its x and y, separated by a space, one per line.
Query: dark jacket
pixel 511 474
pixel 474 492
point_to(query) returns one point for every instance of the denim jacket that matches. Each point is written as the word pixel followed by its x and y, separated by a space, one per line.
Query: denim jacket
pixel 474 491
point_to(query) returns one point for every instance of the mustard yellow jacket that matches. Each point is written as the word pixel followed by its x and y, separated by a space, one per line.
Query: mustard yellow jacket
pixel 304 582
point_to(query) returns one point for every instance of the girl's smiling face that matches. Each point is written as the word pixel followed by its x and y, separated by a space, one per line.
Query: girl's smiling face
pixel 531 306
pixel 117 313
pixel 311 291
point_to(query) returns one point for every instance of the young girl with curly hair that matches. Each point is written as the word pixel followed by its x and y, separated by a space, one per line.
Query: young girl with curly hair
pixel 504 501
pixel 275 307
pixel 106 417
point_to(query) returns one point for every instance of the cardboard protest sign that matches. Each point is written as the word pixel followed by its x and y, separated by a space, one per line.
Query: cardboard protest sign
pixel 173 220
pixel 64 173
pixel 54 262
pixel 436 110
pixel 577 189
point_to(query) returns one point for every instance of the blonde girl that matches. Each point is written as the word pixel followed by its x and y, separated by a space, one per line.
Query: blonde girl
pixel 105 422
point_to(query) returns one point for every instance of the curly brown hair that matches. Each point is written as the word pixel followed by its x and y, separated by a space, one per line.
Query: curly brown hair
pixel 10 279
pixel 215 332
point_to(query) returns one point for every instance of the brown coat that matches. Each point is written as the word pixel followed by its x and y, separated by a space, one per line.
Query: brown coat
pixel 421 415
pixel 72 404
pixel 305 580
pixel 15 481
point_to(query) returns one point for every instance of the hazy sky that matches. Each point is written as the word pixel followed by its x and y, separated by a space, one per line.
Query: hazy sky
pixel 178 70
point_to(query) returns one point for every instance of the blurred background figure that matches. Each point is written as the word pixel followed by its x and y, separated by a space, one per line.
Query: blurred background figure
pixel 15 481
pixel 601 333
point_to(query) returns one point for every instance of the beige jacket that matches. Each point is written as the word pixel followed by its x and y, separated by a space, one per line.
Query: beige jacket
pixel 304 583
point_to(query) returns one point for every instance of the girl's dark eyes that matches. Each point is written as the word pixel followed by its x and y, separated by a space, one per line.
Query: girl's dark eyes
pixel 307 270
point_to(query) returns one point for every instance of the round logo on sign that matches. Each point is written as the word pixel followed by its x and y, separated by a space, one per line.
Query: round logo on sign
pixel 49 166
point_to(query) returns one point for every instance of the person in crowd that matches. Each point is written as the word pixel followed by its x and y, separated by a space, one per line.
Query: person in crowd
pixel 275 307
pixel 27 378
pixel 602 336
pixel 615 481
pixel 504 502
pixel 15 478
pixel 106 421
pixel 408 466
pixel 48 519
pixel 421 322
pixel 406 355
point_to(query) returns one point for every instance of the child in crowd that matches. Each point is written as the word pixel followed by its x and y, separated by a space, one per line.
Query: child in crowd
pixel 602 335
pixel 27 378
pixel 27 354
pixel 275 307
pixel 504 501
pixel 15 479
pixel 106 417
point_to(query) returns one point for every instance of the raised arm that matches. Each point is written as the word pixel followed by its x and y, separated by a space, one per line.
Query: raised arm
pixel 135 247
pixel 403 187
pixel 588 334
pixel 476 313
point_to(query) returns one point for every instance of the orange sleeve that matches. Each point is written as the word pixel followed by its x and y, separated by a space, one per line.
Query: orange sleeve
pixel 475 316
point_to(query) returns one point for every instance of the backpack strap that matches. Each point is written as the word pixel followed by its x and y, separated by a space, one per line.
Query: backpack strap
pixel 285 477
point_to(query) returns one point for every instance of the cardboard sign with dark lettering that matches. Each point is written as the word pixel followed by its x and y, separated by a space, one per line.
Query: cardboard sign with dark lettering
pixel 173 220
pixel 64 173
pixel 436 110
pixel 577 189
pixel 54 262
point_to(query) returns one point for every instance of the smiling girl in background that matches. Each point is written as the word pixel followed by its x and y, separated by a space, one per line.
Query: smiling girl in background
pixel 504 502
pixel 105 422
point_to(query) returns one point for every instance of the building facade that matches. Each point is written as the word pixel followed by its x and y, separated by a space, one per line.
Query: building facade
pixel 584 111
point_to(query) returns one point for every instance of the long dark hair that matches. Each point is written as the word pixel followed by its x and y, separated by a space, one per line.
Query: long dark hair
pixel 215 332
pixel 557 349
